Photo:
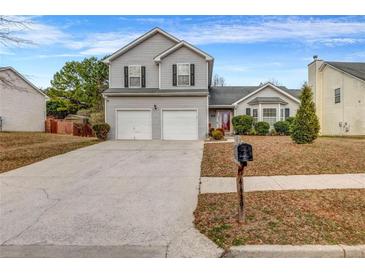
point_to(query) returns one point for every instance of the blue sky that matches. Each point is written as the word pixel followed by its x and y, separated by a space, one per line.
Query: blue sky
pixel 247 49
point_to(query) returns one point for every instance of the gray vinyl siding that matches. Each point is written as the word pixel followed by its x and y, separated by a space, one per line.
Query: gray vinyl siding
pixel 184 55
pixel 267 92
pixel 143 55
pixel 199 103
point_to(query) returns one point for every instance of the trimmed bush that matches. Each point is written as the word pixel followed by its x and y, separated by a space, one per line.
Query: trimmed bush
pixel 242 124
pixel 221 130
pixel 252 131
pixel 305 127
pixel 282 127
pixel 101 130
pixel 262 128
pixel 217 134
pixel 210 131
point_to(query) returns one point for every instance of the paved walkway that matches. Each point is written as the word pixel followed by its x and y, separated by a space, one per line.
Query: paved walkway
pixel 293 182
pixel 113 199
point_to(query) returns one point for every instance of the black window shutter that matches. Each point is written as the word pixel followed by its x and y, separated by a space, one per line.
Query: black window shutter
pixel 192 74
pixel 174 75
pixel 248 111
pixel 143 75
pixel 126 77
pixel 287 113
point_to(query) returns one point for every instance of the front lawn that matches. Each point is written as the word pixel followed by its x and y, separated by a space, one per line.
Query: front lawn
pixel 23 148
pixel 278 155
pixel 284 217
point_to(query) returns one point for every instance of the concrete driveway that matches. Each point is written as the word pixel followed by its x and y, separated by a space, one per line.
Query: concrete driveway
pixel 113 199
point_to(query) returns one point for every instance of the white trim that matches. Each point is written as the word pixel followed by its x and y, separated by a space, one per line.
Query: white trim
pixel 263 87
pixel 177 74
pixel 140 76
pixel 159 76
pixel 24 79
pixel 138 41
pixel 322 67
pixel 207 74
pixel 126 109
pixel 207 131
pixel 162 55
pixel 159 94
pixel 181 109
pixel 105 100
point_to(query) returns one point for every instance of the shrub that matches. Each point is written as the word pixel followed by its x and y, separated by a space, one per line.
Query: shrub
pixel 97 118
pixel 273 132
pixel 221 130
pixel 305 127
pixel 242 124
pixel 262 128
pixel 252 131
pixel 101 130
pixel 217 134
pixel 282 127
pixel 210 131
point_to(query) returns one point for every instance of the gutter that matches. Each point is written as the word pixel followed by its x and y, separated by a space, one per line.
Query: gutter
pixel 158 94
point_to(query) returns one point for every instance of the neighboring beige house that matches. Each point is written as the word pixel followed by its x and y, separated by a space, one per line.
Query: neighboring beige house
pixel 339 95
pixel 22 105
pixel 160 88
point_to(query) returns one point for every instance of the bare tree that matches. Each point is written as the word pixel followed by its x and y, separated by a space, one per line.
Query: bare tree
pixel 9 26
pixel 218 81
pixel 272 81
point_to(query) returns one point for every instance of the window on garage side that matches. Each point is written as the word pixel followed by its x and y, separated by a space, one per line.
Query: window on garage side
pixel 337 95
pixel 134 76
pixel 183 74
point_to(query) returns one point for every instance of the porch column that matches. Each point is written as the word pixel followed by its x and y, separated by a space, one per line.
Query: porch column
pixel 278 114
pixel 259 116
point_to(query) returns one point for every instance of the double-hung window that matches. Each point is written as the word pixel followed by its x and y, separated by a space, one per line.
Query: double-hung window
pixel 183 74
pixel 134 76
pixel 255 115
pixel 269 115
pixel 337 95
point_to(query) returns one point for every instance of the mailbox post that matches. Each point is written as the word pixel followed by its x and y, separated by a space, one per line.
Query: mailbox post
pixel 243 154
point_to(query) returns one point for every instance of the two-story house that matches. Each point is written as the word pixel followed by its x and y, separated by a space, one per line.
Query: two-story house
pixel 339 95
pixel 160 88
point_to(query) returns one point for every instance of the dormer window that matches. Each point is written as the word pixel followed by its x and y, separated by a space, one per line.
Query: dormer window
pixel 135 76
pixel 183 74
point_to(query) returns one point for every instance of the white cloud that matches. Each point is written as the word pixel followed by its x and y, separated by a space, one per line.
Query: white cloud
pixel 275 29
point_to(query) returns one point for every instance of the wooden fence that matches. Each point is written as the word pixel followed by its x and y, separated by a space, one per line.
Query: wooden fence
pixel 59 126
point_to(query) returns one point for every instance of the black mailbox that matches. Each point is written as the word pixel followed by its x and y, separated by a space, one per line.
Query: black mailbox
pixel 243 153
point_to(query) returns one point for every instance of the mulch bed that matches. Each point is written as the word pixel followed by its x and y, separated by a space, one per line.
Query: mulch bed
pixel 284 217
pixel 278 155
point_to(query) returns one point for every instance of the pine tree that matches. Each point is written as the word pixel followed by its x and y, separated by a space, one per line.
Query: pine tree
pixel 305 127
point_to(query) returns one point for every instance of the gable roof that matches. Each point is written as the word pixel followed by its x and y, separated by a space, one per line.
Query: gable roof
pixel 181 44
pixel 356 69
pixel 138 41
pixel 24 79
pixel 228 95
pixel 282 91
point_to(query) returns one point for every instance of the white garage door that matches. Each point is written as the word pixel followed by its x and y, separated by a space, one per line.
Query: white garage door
pixel 134 124
pixel 179 125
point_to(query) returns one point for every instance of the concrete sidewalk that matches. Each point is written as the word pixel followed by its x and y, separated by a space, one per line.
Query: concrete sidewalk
pixel 292 182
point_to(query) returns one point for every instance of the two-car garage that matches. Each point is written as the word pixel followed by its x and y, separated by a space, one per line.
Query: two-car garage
pixel 175 124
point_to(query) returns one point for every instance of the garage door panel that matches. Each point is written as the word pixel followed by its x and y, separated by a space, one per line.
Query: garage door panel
pixel 180 125
pixel 134 124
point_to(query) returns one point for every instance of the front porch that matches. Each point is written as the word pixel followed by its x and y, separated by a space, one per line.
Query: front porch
pixel 221 117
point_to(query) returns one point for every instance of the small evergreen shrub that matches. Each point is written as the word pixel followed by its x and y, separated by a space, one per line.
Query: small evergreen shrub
pixel 210 131
pixel 221 130
pixel 242 124
pixel 282 127
pixel 217 134
pixel 262 128
pixel 305 127
pixel 101 130
pixel 252 131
